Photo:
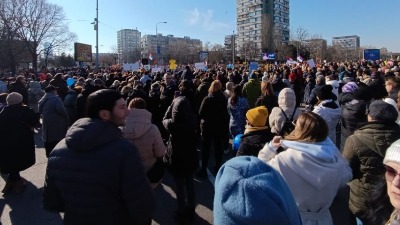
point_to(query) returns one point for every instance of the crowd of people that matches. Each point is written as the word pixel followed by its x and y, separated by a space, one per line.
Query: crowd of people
pixel 109 136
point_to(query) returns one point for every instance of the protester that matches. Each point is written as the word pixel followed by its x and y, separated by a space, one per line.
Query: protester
pixel 19 86
pixel 93 165
pixel 257 133
pixel 248 191
pixel 17 152
pixel 252 89
pixel 181 156
pixel 35 93
pixel 145 136
pixel 55 120
pixel 237 108
pixel 365 150
pixel 311 165
pixel 392 166
pixel 214 126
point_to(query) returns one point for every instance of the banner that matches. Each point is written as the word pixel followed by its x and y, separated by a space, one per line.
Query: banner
pixel 372 54
pixel 83 52
pixel 200 66
pixel 268 56
pixel 311 63
pixel 203 56
pixel 131 66
pixel 253 66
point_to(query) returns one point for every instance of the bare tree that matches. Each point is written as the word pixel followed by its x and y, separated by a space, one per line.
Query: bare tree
pixel 12 48
pixel 43 22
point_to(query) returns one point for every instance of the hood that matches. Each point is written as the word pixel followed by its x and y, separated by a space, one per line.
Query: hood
pixel 34 84
pixel 378 136
pixel 287 98
pixel 48 96
pixel 333 83
pixel 88 134
pixel 320 156
pixel 138 122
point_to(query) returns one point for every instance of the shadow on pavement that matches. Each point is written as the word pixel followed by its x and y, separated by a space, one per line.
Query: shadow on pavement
pixel 26 208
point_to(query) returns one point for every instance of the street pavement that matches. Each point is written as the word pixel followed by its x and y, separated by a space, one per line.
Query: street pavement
pixel 26 208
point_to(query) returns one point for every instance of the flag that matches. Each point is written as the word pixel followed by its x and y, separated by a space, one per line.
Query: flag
pixel 288 58
pixel 299 58
pixel 151 56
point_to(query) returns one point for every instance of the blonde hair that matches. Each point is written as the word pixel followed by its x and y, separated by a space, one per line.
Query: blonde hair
pixel 266 88
pixel 310 127
pixel 215 87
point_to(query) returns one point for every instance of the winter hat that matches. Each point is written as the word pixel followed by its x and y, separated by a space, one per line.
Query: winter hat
pixel 325 92
pixel 381 111
pixel 249 191
pixel 393 153
pixel 14 98
pixel 50 88
pixel 350 87
pixel 257 116
pixel 362 93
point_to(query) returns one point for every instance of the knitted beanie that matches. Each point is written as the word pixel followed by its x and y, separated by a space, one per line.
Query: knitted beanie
pixel 257 116
pixel 381 111
pixel 349 87
pixel 393 153
pixel 14 98
pixel 249 192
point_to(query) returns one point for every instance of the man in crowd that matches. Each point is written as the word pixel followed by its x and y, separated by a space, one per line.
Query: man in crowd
pixel 95 176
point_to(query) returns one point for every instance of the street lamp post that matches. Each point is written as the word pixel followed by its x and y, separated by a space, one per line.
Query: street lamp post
pixel 158 49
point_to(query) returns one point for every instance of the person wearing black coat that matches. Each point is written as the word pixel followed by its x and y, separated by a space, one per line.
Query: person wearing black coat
pixel 181 157
pixel 19 86
pixel 17 152
pixel 257 134
pixel 353 114
pixel 94 175
pixel 214 126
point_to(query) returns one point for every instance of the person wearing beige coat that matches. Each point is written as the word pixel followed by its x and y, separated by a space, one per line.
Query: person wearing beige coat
pixel 286 102
pixel 145 136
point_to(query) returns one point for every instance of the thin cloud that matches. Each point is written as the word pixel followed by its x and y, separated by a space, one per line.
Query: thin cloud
pixel 205 20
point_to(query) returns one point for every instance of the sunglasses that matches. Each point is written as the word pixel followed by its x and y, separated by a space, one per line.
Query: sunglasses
pixel 390 173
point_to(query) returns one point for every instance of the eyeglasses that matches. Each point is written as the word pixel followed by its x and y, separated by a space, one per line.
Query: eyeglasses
pixel 390 173
pixel 294 122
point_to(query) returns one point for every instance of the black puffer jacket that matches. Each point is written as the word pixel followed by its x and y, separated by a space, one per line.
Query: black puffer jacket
pixel 96 177
pixel 252 142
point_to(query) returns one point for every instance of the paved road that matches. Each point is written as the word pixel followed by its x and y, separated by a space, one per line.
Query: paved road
pixel 26 208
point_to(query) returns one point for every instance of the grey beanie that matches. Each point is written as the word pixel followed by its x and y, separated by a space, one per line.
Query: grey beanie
pixel 379 110
pixel 14 98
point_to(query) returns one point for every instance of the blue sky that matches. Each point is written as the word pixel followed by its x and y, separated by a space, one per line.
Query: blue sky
pixel 211 20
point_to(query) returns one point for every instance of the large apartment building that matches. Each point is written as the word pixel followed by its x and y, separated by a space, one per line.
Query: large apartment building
pixel 348 42
pixel 128 44
pixel 260 23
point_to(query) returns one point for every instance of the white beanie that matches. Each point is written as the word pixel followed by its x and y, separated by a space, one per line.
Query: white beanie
pixel 393 153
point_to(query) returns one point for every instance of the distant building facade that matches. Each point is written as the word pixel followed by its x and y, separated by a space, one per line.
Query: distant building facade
pixel 260 23
pixel 170 47
pixel 128 44
pixel 348 42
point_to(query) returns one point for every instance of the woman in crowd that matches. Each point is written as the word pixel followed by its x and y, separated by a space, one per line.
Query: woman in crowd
pixel 392 165
pixel 287 106
pixel 181 157
pixel 35 93
pixel 237 108
pixel 267 98
pixel 311 165
pixel 17 151
pixel 328 109
pixel 145 136
pixel 214 126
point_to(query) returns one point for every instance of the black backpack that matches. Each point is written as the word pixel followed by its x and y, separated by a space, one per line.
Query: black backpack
pixel 288 125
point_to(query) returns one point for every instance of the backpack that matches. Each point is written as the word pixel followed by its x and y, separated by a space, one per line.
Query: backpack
pixel 288 125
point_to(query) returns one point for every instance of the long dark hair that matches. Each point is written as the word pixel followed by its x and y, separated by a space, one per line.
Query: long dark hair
pixel 237 92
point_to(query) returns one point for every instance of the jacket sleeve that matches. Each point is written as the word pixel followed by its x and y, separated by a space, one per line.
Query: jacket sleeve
pixel 267 153
pixel 158 144
pixel 52 199
pixel 350 153
pixel 135 188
